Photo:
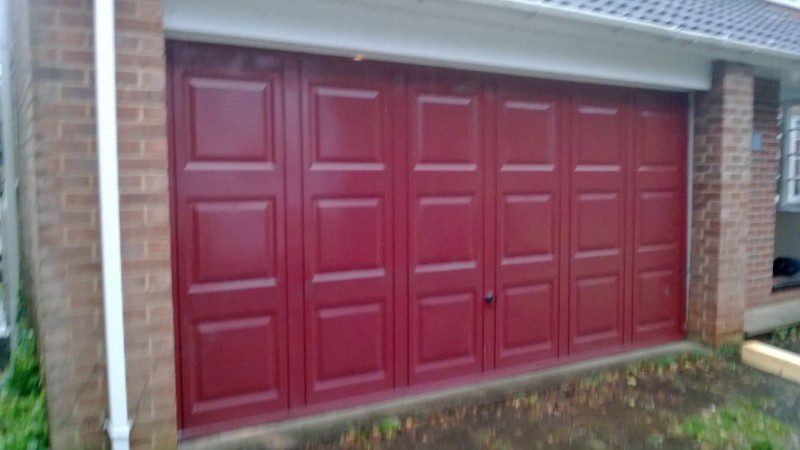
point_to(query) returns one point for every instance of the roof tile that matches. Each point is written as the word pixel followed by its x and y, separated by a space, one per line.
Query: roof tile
pixel 753 22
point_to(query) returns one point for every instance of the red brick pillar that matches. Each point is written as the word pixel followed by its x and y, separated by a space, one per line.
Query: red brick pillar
pixel 720 206
pixel 53 78
pixel 144 209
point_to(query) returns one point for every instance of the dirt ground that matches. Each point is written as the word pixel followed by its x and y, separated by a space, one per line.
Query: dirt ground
pixel 690 401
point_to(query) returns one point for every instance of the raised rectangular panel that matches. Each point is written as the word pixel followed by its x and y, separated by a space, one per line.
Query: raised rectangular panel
pixel 350 234
pixel 529 317
pixel 447 130
pixel 237 358
pixel 348 125
pixel 597 221
pixel 656 298
pixel 231 120
pixel 657 218
pixel 526 133
pixel 444 230
pixel 597 300
pixel 662 139
pixel 598 137
pixel 350 341
pixel 446 329
pixel 528 226
pixel 233 240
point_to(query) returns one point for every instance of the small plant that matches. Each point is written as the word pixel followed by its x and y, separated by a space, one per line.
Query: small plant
pixel 364 435
pixel 784 334
pixel 389 426
pixel 23 412
pixel 742 427
pixel 23 409
pixel 729 350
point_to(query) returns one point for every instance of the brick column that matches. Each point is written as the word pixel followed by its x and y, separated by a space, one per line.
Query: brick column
pixel 144 209
pixel 720 205
pixel 764 168
pixel 53 77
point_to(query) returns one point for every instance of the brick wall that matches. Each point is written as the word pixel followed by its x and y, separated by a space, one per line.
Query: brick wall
pixel 144 196
pixel 59 212
pixel 764 169
pixel 721 195
pixel 53 79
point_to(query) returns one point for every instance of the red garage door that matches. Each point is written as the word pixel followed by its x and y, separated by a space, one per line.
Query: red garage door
pixel 350 231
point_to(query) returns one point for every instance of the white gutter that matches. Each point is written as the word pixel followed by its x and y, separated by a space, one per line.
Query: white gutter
pixel 118 426
pixel 536 7
pixel 9 220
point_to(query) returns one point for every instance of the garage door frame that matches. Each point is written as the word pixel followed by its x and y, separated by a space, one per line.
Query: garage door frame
pixel 296 410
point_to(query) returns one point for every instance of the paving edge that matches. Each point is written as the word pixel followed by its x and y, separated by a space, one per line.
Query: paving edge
pixel 284 434
pixel 771 359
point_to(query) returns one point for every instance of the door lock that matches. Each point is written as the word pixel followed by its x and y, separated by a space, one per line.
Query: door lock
pixel 489 298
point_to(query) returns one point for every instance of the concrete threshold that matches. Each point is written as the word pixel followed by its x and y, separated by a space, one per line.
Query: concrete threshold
pixel 767 318
pixel 281 435
pixel 771 359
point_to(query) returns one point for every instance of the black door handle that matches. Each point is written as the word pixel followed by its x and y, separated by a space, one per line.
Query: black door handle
pixel 489 298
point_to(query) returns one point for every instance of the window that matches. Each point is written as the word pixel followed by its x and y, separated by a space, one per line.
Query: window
pixel 790 162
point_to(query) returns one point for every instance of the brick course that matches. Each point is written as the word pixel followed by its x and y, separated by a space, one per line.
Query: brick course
pixel 53 80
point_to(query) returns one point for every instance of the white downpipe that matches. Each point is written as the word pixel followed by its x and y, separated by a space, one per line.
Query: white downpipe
pixel 692 108
pixel 10 221
pixel 118 425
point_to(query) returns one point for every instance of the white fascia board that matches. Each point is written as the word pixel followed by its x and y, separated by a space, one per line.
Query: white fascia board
pixel 421 33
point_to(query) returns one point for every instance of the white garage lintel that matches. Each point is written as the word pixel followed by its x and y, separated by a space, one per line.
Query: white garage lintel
pixel 446 33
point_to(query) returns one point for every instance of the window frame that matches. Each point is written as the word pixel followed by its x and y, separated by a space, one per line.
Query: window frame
pixel 789 163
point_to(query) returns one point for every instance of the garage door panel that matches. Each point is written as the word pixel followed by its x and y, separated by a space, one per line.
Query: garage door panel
pixel 527 224
pixel 656 301
pixel 448 330
pixel 365 360
pixel 529 323
pixel 446 231
pixel 657 222
pixel 348 233
pixel 445 227
pixel 526 132
pixel 349 237
pixel 597 123
pixel 598 223
pixel 599 133
pixel 446 131
pixel 218 258
pixel 659 215
pixel 230 210
pixel 358 139
pixel 597 319
pixel 232 120
pixel 230 352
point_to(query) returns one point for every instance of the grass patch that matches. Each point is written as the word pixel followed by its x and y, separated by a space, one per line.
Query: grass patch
pixel 742 426
pixel 23 411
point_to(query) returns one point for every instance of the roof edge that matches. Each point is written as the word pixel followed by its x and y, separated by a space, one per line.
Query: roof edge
pixel 536 7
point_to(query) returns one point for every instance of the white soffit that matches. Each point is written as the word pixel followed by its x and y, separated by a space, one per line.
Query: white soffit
pixel 441 33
